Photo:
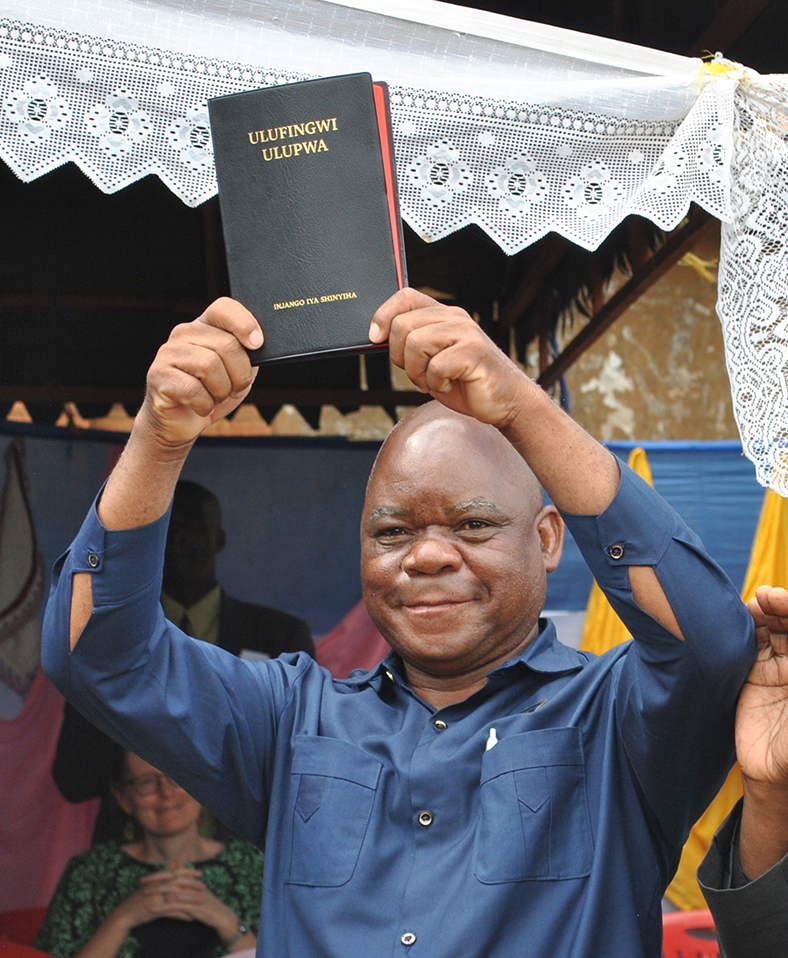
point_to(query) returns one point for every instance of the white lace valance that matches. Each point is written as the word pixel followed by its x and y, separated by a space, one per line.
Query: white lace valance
pixel 519 128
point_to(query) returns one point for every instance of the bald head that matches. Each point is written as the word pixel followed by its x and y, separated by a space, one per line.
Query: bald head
pixel 456 545
pixel 433 431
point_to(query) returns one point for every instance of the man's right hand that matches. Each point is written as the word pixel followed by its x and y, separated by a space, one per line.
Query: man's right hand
pixel 201 373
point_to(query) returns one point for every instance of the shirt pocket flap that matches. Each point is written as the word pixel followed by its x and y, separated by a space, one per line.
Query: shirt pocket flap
pixel 316 755
pixel 548 747
pixel 532 787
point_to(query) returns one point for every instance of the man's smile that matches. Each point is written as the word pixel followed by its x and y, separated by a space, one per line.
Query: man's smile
pixel 425 608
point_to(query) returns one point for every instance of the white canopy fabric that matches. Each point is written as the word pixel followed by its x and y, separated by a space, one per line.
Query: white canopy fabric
pixel 520 128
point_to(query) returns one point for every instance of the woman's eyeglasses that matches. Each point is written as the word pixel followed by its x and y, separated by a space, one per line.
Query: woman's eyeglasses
pixel 146 785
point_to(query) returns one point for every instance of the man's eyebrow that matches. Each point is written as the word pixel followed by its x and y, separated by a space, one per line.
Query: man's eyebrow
pixel 388 512
pixel 482 504
pixel 399 512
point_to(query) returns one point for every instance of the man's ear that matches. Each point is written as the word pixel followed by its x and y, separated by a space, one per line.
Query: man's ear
pixel 221 540
pixel 551 527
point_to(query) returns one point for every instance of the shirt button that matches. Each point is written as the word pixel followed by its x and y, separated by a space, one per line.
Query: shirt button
pixel 408 938
pixel 425 818
pixel 616 551
pixel 439 725
pixel 93 560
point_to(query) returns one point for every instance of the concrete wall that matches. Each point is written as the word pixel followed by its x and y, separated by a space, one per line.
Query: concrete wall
pixel 659 373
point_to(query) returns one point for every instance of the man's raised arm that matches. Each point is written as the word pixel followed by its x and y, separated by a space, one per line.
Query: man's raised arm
pixel 762 738
pixel 199 375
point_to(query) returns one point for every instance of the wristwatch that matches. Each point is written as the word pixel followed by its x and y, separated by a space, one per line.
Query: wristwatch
pixel 243 929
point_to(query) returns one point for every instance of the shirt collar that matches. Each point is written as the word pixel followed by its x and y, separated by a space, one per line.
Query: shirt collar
pixel 546 654
pixel 204 614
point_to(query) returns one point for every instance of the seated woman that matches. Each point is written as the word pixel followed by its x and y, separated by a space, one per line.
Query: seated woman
pixel 171 893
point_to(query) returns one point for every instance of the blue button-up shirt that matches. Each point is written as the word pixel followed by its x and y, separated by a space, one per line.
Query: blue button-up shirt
pixel 392 828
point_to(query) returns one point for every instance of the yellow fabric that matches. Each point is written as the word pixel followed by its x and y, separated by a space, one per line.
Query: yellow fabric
pixel 769 566
pixel 769 557
pixel 602 628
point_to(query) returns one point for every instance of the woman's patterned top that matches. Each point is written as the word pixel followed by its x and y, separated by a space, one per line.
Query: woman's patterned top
pixel 97 881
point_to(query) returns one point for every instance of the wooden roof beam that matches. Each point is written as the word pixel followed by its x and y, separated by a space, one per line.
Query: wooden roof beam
pixel 554 249
pixel 729 24
pixel 676 245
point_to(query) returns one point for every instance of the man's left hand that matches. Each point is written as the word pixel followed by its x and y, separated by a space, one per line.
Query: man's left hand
pixel 446 354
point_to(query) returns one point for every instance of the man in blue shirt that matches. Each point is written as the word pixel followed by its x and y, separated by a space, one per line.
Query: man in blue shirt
pixel 485 791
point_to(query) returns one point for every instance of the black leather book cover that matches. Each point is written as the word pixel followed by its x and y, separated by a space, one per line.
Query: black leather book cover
pixel 306 217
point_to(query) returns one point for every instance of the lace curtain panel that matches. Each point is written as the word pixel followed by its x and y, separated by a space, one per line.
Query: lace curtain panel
pixel 519 128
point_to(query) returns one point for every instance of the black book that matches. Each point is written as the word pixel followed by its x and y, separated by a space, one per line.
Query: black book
pixel 309 210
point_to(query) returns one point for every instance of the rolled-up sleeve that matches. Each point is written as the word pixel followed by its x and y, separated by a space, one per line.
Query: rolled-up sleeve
pixel 676 699
pixel 125 569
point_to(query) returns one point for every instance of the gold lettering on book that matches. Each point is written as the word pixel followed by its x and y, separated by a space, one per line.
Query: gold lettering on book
pixel 292 130
pixel 285 151
pixel 333 297
pixel 290 304
pixel 315 300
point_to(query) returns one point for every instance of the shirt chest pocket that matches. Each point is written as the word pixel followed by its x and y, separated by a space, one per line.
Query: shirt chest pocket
pixel 334 786
pixel 534 823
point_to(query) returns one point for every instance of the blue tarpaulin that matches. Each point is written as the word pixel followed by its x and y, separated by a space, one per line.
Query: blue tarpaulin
pixel 292 506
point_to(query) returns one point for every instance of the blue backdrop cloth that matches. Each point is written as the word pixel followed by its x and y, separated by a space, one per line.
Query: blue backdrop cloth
pixel 292 507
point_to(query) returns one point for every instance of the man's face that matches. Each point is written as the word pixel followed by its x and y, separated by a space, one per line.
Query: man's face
pixel 455 547
pixel 194 538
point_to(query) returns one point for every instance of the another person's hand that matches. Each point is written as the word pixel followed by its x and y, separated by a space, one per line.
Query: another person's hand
pixel 201 373
pixel 157 897
pixel 446 354
pixel 184 889
pixel 153 899
pixel 762 716
pixel 762 738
